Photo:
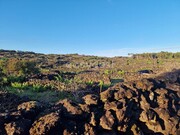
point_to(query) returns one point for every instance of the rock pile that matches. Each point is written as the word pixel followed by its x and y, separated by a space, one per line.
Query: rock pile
pixel 144 107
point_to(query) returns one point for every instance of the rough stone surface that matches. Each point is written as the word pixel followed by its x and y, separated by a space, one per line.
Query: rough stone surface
pixel 46 124
pixel 143 107
pixel 91 99
pixel 20 127
pixel 30 109
pixel 71 110
pixel 107 121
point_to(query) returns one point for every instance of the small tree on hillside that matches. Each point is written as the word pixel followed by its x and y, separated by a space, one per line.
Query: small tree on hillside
pixel 27 68
pixel 1 76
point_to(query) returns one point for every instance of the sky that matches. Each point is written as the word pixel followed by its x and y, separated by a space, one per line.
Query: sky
pixel 91 27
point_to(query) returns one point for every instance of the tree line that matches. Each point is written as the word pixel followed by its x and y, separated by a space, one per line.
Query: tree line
pixel 160 55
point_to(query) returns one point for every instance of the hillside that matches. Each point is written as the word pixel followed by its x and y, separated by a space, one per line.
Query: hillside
pixel 77 94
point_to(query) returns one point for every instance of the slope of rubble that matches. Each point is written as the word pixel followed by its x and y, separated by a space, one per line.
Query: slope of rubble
pixel 143 107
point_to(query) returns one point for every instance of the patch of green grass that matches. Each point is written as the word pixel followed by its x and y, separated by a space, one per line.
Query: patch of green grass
pixel 68 81
pixel 18 85
pixel 63 80
pixel 149 62
pixel 42 70
pixel 48 96
pixel 13 78
pixel 103 86
pixel 34 87
pixel 90 83
pixel 121 72
pixel 107 72
pixel 59 78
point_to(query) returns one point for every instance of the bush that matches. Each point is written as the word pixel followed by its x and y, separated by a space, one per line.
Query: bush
pixel 63 80
pixel 160 55
pixel 20 85
pixel 27 68
pixel 34 87
pixel 121 72
pixel 107 72
pixel 40 88
pixel 90 83
pixel 59 78
pixel 1 77
pixel 18 67
pixel 13 78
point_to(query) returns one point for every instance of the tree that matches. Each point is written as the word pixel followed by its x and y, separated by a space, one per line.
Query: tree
pixel 27 68
pixel 1 76
pixel 18 67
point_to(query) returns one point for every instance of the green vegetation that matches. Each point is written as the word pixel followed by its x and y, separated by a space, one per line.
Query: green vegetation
pixel 90 83
pixel 18 67
pixel 18 85
pixel 161 55
pixel 107 72
pixel 34 87
pixel 1 77
pixel 48 96
pixel 27 68
pixel 59 78
pixel 115 81
pixel 36 75
pixel 63 80
pixel 101 83
pixel 13 78
pixel 121 72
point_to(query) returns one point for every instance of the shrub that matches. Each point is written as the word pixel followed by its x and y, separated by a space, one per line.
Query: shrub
pixel 27 68
pixel 90 83
pixel 63 80
pixel 1 76
pixel 68 81
pixel 40 88
pixel 121 72
pixel 13 78
pixel 101 83
pixel 106 72
pixel 19 85
pixel 18 67
pixel 59 78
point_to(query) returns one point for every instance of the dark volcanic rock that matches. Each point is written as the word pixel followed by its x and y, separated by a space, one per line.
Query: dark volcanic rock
pixel 30 109
pixel 115 105
pixel 144 85
pixel 72 110
pixel 147 106
pixel 107 95
pixel 46 125
pixel 89 130
pixel 91 99
pixel 107 121
pixel 9 102
pixel 73 127
pixel 145 71
pixel 20 127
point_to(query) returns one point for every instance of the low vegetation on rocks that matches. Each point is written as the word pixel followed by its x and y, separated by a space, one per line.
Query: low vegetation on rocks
pixel 147 106
pixel 87 95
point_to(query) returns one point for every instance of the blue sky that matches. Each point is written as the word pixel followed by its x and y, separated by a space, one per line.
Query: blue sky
pixel 93 27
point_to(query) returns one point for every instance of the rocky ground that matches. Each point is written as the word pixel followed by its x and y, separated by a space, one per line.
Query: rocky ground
pixel 143 107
